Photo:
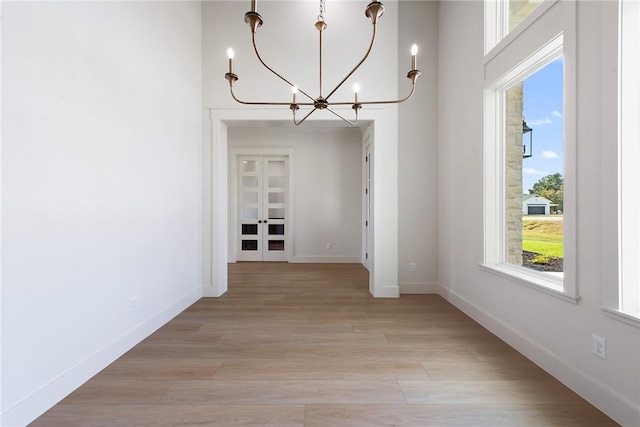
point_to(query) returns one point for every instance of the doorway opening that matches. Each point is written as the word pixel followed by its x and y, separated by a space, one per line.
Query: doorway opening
pixel 216 209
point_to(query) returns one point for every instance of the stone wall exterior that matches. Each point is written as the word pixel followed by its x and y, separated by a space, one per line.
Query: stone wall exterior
pixel 513 174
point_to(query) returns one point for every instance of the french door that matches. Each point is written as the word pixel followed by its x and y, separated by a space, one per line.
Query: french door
pixel 262 208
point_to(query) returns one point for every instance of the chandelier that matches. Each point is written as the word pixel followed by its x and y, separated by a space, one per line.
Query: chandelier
pixel 373 11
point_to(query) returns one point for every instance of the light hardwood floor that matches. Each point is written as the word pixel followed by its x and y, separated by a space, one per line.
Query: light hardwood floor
pixel 307 345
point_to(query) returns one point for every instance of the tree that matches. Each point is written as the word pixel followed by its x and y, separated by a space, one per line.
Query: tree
pixel 550 187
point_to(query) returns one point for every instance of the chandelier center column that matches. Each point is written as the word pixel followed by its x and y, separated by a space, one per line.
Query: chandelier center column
pixel 321 26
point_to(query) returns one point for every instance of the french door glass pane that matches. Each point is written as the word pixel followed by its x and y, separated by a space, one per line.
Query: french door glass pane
pixel 276 181
pixel 276 229
pixel 276 167
pixel 276 245
pixel 249 166
pixel 249 213
pixel 276 197
pixel 249 228
pixel 276 213
pixel 250 181
pixel 249 197
pixel 249 245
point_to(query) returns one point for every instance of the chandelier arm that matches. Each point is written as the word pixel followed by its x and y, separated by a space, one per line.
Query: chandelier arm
pixel 397 101
pixel 255 48
pixel 303 119
pixel 366 55
pixel 233 95
pixel 338 115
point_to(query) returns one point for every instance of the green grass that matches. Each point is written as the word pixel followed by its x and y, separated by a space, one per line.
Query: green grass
pixel 543 237
pixel 541 259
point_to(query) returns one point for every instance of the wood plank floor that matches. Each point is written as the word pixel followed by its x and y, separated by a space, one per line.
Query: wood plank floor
pixel 306 345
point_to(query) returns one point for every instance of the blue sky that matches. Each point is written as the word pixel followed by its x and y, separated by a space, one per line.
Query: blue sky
pixel 543 112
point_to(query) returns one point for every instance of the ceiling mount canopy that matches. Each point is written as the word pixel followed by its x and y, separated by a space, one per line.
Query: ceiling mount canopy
pixel 373 11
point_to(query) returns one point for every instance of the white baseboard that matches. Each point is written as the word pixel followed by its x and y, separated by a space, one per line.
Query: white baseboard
pixel 391 291
pixel 39 402
pixel 608 401
pixel 326 259
pixel 211 292
pixel 419 288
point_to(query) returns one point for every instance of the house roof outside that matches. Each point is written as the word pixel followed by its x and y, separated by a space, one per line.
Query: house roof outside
pixel 539 199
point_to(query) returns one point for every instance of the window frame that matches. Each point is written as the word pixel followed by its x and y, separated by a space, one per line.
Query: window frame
pixel 548 31
pixel 628 176
pixel 622 187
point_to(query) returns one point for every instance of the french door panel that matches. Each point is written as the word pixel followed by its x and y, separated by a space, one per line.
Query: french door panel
pixel 250 208
pixel 262 209
pixel 274 213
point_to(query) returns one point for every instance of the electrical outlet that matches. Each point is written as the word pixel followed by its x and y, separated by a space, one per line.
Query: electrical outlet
pixel 599 346
pixel 134 303
pixel 413 267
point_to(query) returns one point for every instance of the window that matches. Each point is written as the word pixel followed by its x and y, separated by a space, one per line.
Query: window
pixel 534 172
pixel 629 158
pixel 529 217
pixel 518 10
pixel 504 17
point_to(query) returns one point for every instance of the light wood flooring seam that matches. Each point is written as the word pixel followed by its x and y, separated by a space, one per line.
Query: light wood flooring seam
pixel 307 345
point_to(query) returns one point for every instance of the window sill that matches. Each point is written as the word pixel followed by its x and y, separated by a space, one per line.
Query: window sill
pixel 539 281
pixel 621 316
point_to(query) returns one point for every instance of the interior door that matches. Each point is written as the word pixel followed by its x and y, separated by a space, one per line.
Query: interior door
pixel 249 208
pixel 262 208
pixel 274 221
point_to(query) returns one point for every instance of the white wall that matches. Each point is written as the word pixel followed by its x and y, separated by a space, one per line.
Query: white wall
pixel 327 196
pixel 101 187
pixel 418 150
pixel 553 332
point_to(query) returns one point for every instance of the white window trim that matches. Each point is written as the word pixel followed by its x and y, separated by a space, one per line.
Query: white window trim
pixel 556 34
pixel 620 137
pixel 621 316
pixel 615 200
pixel 628 157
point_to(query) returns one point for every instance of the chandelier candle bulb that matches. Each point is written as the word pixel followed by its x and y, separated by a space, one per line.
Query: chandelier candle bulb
pixel 414 54
pixel 356 89
pixel 294 89
pixel 230 55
